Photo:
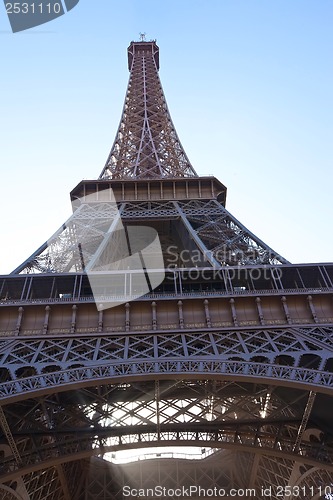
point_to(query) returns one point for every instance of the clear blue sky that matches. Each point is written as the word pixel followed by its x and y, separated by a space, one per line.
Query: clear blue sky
pixel 249 86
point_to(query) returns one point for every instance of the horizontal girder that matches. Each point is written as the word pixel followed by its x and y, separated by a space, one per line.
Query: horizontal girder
pixel 73 450
pixel 146 370
pixel 296 355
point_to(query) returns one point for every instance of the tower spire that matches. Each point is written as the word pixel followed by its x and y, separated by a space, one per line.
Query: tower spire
pixel 146 144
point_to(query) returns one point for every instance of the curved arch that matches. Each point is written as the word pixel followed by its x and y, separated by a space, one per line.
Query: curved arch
pixel 25 371
pixel 329 365
pixel 259 359
pixel 124 371
pixel 310 361
pixel 315 482
pixel 306 474
pixel 78 454
pixel 4 375
pixel 51 369
pixel 14 493
pixel 285 360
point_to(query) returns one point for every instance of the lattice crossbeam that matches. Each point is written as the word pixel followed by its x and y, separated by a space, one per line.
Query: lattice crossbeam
pixel 51 354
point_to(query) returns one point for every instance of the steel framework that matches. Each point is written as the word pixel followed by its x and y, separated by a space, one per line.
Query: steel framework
pixel 221 376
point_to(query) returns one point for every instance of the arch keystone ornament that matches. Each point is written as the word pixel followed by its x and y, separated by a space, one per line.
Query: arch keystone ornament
pixel 154 323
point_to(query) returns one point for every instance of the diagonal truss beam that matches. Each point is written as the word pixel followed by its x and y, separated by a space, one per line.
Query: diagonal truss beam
pixel 9 436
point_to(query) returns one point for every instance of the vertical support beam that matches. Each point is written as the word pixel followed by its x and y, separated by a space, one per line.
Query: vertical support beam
pixel 1 289
pixel 305 419
pixel 154 317
pixel 179 275
pixel 233 311
pixel 326 277
pixel 180 314
pixel 312 308
pixel 73 321
pixel 63 482
pixel 321 272
pixel 207 313
pixel 260 311
pixel 19 320
pixel 24 287
pixel 127 317
pixel 100 320
pixel 286 309
pixel 276 277
pixel 52 288
pixel 254 470
pixel 157 399
pixel 80 486
pixel 9 437
pixel 75 290
pixel 46 319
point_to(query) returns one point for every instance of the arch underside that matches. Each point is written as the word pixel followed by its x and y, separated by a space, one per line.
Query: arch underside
pixel 248 424
pixel 259 404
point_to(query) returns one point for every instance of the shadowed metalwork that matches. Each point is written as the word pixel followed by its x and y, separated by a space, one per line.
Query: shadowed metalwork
pixel 221 376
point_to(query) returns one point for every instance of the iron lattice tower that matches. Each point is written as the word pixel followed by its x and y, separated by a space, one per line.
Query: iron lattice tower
pixel 231 353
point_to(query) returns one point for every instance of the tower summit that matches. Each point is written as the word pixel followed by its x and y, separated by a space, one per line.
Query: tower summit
pixel 227 358
pixel 146 145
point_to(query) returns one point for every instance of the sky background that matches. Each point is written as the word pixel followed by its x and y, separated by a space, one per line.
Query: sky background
pixel 249 87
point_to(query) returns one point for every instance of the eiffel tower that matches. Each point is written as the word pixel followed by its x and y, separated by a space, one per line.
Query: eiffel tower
pixel 220 376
